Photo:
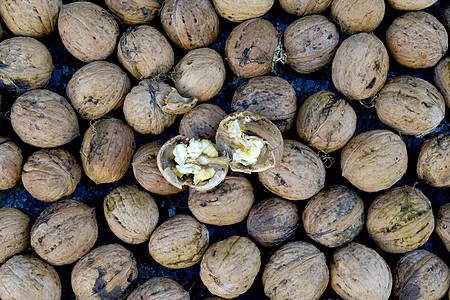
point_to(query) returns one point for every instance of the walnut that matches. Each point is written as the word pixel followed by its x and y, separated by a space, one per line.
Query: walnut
pixel 237 11
pixel 443 224
pixel 359 15
pixel 134 12
pixel 411 4
pixel 433 163
pixel 202 121
pixel 159 288
pixel 305 7
pixel 14 232
pixel 10 163
pixel 442 77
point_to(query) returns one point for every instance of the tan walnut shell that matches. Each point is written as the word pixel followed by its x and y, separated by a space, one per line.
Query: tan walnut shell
pixel 298 270
pixel 374 160
pixel 230 266
pixel 179 242
pixel 97 88
pixel 269 96
pixel 304 7
pixel 358 15
pixel 11 160
pixel 237 11
pixel 411 4
pixel 134 12
pixel 26 277
pixel 202 121
pixel 325 121
pixel 107 272
pixel 410 105
pixel 367 54
pixel 417 40
pixel 44 119
pixel 50 174
pixel 107 149
pixel 400 220
pixel 226 204
pixel 131 213
pixel 14 232
pixel 35 18
pixel 442 77
pixel 443 225
pixel 433 163
pixel 250 48
pixel 299 176
pixel 159 288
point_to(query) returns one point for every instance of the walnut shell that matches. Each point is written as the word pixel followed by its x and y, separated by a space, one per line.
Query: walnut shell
pixel 26 65
pixel 26 277
pixel 250 48
pixel 417 40
pixel 421 275
pixel 237 11
pixel 269 96
pixel 374 160
pixel 272 221
pixel 411 4
pixel 131 213
pixel 179 242
pixel 442 77
pixel 134 12
pixel 229 267
pixel 226 204
pixel 107 272
pixel 446 15
pixel 443 225
pixel 298 270
pixel 358 16
pixel 159 288
pixel 10 163
pixel 202 121
pixel 305 7
pixel 97 88
pixel 107 150
pixel 14 232
pixel 44 119
pixel 400 220
pixel 145 52
pixel 433 163
pixel 310 43
pixel 367 54
pixel 299 176
pixel 50 174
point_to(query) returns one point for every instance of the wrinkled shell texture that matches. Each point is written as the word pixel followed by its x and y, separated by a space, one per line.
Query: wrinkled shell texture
pixel 26 64
pixel 97 88
pixel 411 4
pixel 269 96
pixel 400 220
pixel 360 66
pixel 325 121
pixel 229 267
pixel 421 275
pixel 304 7
pixel 273 221
pixel 107 272
pixel 159 288
pixel 433 163
pixel 410 105
pixel 11 160
pixel 134 12
pixel 310 43
pixel 44 119
pixel 374 160
pixel 145 52
pixel 107 149
pixel 298 270
pixel 442 77
pixel 299 175
pixel 202 121
pixel 250 48
pixel 358 15
pixel 443 225
pixel 359 272
pixel 26 277
pixel 14 232
pixel 237 10
pixel 417 40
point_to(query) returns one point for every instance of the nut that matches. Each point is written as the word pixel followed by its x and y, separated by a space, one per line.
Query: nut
pixel 433 163
pixel 358 16
pixel 442 76
pixel 14 232
pixel 202 121
pixel 305 7
pixel 411 4
pixel 443 224
pixel 134 12
pixel 237 11
pixel 10 163
pixel 159 288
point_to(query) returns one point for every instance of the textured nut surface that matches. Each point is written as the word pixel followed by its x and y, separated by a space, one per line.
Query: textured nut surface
pixel 433 163
pixel 159 288
pixel 14 232
pixel 134 12
pixel 443 224
pixel 237 11
pixel 442 76
pixel 202 121
pixel 411 4
pixel 10 163
pixel 305 7
pixel 358 15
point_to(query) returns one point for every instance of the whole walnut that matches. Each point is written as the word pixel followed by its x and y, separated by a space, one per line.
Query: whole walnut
pixel 190 24
pixel 374 160
pixel 107 149
pixel 410 105
pixel 50 174
pixel 442 77
pixel 417 40
pixel 97 88
pixel 14 232
pixel 433 163
pixel 446 15
pixel 421 275
pixel 269 96
pixel 134 12
pixel 305 7
pixel 360 66
pixel 310 43
pixel 443 225
pixel 237 10
pixel 250 48
pixel 26 65
pixel 411 4
pixel 299 176
pixel 359 272
pixel 272 221
pixel 358 16
pixel 44 119
pixel 26 277
pixel 107 272
pixel 10 163
pixel 202 121
pixel 230 266
pixel 297 270
pixel 159 288
pixel 400 220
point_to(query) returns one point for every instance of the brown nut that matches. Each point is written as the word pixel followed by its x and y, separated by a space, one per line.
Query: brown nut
pixel 305 7
pixel 14 232
pixel 298 270
pixel 417 40
pixel 229 267
pixel 411 4
pixel 134 12
pixel 358 16
pixel 433 163
pixel 269 96
pixel 10 163
pixel 159 288
pixel 400 220
pixel 299 176
pixel 374 160
pixel 442 77
pixel 202 121
pixel 237 11
pixel 443 225
pixel 44 119
pixel 367 54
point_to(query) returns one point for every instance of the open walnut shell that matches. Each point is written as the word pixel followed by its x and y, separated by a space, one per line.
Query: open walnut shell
pixel 176 104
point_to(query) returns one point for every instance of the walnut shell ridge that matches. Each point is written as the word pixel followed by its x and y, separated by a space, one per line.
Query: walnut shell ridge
pixel 11 160
pixel 134 12
pixel 433 163
pixel 305 7
pixel 159 288
pixel 237 11
pixel 14 232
